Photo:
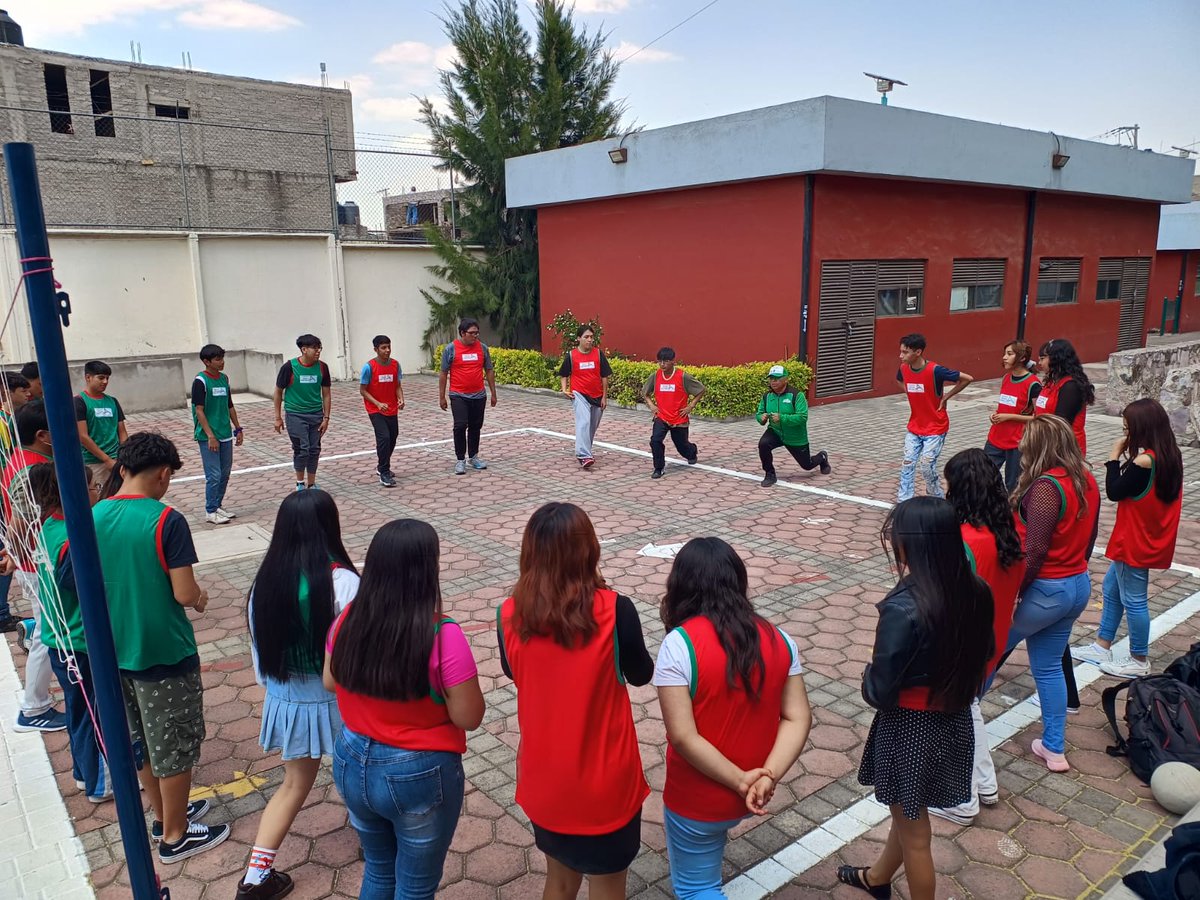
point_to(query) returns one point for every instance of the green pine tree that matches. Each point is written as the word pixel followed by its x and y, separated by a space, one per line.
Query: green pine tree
pixel 508 93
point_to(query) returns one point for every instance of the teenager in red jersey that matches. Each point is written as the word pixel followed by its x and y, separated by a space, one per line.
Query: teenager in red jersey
pixel 584 373
pixel 1066 390
pixel 570 645
pixel 734 704
pixel 1144 478
pixel 923 383
pixel 671 394
pixel 1018 392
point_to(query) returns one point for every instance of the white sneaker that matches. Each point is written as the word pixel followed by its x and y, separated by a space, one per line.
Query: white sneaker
pixel 1126 668
pixel 216 518
pixel 226 513
pixel 1092 653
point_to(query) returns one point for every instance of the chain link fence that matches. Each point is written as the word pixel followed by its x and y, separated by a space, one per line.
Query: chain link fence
pixel 172 172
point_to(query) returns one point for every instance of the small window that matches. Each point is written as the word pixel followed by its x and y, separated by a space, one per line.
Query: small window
pixel 975 296
pixel 58 101
pixel 172 112
pixel 102 104
pixel 977 284
pixel 1058 281
pixel 1108 289
pixel 1197 290
pixel 900 287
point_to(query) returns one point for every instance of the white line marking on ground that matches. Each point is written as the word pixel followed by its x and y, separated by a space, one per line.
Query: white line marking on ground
pixel 40 854
pixel 1175 567
pixel 356 453
pixel 761 880
pixel 732 473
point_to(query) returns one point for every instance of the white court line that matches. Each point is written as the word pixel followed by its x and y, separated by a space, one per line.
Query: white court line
pixel 1174 567
pixel 288 465
pixel 831 836
pixel 732 473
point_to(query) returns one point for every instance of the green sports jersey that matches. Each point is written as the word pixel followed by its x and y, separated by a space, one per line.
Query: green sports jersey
pixel 216 408
pixel 68 618
pixel 792 407
pixel 303 395
pixel 102 422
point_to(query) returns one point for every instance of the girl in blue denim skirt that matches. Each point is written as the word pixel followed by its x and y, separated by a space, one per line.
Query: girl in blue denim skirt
pixel 305 580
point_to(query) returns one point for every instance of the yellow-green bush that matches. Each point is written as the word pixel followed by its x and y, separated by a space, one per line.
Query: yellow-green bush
pixel 732 390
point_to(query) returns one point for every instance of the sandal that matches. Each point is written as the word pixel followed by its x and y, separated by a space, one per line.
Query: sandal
pixel 857 877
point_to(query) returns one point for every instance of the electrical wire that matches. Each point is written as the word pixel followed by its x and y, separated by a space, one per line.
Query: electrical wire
pixel 668 31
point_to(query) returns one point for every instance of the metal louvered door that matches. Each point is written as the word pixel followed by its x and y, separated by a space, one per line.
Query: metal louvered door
pixel 846 328
pixel 1135 281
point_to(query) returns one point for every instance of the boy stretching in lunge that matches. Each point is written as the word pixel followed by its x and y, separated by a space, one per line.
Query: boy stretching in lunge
pixel 784 410
pixel 928 423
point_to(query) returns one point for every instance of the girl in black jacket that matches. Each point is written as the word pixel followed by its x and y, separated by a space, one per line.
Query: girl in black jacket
pixel 932 645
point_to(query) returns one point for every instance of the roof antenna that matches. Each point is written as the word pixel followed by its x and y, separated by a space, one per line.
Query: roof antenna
pixel 324 76
pixel 883 84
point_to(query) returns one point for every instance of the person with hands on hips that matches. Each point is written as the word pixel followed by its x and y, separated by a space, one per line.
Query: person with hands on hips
pixel 671 394
pixel 465 364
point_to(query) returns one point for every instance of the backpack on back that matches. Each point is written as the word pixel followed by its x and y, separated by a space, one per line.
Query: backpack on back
pixel 1163 716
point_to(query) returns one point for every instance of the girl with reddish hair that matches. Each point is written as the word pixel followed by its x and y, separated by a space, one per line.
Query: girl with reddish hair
pixel 1018 392
pixel 570 645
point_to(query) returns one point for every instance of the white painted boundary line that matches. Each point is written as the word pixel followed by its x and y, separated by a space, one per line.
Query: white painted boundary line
pixel 356 453
pixel 40 855
pixel 801 855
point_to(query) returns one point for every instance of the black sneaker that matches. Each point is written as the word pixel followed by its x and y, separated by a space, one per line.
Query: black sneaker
pixel 769 481
pixel 195 840
pixel 9 623
pixel 276 884
pixel 692 461
pixel 825 467
pixel 387 480
pixel 195 811
pixel 657 473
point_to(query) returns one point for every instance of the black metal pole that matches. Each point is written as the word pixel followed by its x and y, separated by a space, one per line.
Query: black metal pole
pixel 85 556
pixel 1027 261
pixel 806 263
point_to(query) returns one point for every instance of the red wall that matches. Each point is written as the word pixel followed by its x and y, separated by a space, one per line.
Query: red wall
pixel 1164 282
pixel 715 272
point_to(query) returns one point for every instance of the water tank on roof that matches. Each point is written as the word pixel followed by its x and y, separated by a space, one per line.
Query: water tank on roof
pixel 348 213
pixel 10 31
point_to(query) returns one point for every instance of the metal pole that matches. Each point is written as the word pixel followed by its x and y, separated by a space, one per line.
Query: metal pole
pixel 333 202
pixel 810 187
pixel 85 557
pixel 453 211
pixel 187 206
pixel 1027 262
pixel 1183 265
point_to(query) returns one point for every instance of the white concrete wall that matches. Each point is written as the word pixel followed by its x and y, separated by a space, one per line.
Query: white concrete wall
pixel 383 296
pixel 137 295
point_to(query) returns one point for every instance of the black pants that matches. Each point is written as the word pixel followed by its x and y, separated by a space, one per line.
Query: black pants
pixel 770 442
pixel 386 430
pixel 468 423
pixel 1068 667
pixel 1008 460
pixel 679 437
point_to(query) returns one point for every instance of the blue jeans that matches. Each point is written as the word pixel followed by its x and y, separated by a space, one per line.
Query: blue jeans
pixel 921 451
pixel 216 473
pixel 87 763
pixel 695 850
pixel 404 804
pixel 1125 589
pixel 5 584
pixel 1043 620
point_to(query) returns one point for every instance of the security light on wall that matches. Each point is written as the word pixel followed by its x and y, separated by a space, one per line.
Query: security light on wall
pixel 1058 159
pixel 620 153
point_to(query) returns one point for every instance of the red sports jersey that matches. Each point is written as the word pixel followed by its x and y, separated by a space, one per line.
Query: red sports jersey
pixel 1146 528
pixel 925 418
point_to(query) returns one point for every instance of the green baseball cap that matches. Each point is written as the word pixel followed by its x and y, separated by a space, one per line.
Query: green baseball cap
pixel 777 372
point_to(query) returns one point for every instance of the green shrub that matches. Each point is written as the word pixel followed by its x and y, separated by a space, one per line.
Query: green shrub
pixel 566 323
pixel 733 391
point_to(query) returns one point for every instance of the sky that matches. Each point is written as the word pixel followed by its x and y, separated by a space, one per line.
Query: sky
pixel 1074 67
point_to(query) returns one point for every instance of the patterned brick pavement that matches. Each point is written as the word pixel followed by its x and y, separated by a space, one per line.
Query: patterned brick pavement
pixel 815 566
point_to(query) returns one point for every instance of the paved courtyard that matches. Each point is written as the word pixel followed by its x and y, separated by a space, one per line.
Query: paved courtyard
pixel 816 567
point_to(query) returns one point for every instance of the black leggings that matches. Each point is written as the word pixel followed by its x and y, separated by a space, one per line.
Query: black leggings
pixel 770 441
pixel 468 423
pixel 1068 667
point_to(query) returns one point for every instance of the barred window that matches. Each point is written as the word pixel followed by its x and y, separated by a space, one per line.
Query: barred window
pixel 1058 281
pixel 900 287
pixel 977 284
pixel 1108 278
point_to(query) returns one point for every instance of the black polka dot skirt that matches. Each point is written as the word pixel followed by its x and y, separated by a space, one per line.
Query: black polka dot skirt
pixel 918 758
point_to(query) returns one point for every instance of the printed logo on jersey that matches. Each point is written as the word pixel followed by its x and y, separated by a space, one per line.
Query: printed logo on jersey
pixel 915 388
pixel 1008 400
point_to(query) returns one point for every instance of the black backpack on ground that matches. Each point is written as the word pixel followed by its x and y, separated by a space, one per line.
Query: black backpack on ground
pixel 1162 714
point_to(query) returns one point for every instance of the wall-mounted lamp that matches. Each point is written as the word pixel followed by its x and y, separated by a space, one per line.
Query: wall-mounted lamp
pixel 1058 159
pixel 620 154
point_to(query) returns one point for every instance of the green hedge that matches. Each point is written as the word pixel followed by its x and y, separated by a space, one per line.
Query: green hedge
pixel 732 390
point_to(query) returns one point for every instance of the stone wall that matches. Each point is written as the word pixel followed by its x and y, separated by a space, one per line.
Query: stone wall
pixel 1142 373
pixel 1180 396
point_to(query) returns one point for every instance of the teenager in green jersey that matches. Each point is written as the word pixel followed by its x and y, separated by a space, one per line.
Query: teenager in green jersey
pixel 303 392
pixel 100 419
pixel 147 554
pixel 216 430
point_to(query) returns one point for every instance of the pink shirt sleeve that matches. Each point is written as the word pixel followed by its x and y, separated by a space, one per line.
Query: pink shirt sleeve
pixel 451 662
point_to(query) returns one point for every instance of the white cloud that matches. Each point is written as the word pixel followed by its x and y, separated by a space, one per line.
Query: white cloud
pixel 74 17
pixel 415 56
pixel 601 6
pixel 652 55
pixel 391 109
pixel 236 14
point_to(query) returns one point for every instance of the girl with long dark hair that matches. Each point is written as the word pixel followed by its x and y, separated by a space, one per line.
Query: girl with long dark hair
pixel 993 546
pixel 408 692
pixel 1066 392
pixel 932 646
pixel 579 771
pixel 306 578
pixel 1144 477
pixel 734 705
pixel 1058 503
pixel 1018 392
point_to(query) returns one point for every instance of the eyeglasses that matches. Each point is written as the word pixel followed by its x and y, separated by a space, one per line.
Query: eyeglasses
pixel 472 333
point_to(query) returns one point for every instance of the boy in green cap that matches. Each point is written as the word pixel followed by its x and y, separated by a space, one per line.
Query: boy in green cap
pixel 784 410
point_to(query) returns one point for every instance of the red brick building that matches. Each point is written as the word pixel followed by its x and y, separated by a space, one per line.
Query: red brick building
pixel 1177 267
pixel 828 228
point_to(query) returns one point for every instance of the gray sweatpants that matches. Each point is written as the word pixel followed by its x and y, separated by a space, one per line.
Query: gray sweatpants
pixel 587 420
pixel 302 428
